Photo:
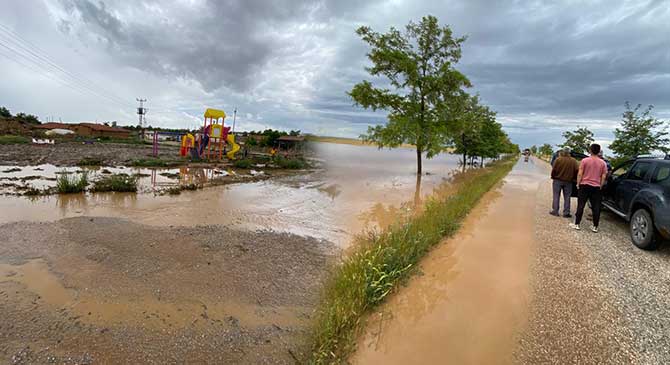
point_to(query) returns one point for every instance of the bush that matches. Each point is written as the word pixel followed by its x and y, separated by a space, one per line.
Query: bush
pixel 90 161
pixel 243 164
pixel 116 182
pixel 10 139
pixel 67 183
pixel 381 260
pixel 290 163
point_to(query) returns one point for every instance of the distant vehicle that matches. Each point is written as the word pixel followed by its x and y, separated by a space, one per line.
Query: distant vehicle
pixel 638 190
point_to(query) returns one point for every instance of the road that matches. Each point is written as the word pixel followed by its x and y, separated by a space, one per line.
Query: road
pixel 516 285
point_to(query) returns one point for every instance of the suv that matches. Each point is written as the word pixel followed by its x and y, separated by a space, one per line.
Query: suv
pixel 638 190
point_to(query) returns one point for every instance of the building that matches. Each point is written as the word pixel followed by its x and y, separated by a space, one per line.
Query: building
pixel 291 143
pixel 89 129
pixel 101 130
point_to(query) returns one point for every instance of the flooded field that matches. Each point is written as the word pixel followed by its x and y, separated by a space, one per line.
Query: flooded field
pixel 359 186
pixel 223 274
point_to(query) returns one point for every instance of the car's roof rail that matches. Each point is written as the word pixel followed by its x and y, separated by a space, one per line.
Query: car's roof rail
pixel 652 156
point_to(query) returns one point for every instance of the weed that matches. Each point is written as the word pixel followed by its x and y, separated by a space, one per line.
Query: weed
pixel 243 164
pixel 71 183
pixel 11 139
pixel 290 163
pixel 90 161
pixel 116 182
pixel 382 259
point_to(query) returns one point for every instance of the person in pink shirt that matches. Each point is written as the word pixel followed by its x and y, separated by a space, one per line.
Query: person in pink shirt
pixel 590 180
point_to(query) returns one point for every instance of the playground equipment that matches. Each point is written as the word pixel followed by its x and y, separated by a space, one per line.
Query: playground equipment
pixel 214 136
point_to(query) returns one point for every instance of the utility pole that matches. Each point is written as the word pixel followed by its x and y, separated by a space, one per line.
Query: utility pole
pixel 141 112
pixel 234 117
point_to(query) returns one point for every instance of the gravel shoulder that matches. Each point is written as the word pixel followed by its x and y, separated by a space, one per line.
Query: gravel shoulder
pixel 107 290
pixel 596 297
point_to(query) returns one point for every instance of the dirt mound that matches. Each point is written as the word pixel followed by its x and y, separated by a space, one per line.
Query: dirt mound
pixel 15 127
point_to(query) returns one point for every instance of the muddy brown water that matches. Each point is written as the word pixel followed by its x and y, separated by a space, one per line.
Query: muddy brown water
pixel 471 299
pixel 115 277
pixel 359 187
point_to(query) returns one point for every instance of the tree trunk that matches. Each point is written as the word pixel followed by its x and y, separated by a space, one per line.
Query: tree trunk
pixel 418 160
pixel 465 161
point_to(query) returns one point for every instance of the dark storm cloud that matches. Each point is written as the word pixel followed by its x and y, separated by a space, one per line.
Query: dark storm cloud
pixel 542 65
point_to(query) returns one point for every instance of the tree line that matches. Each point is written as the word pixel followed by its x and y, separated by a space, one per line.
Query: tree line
pixel 424 95
pixel 640 133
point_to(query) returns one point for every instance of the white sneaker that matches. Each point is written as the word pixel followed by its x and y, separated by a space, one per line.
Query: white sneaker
pixel 594 229
pixel 575 226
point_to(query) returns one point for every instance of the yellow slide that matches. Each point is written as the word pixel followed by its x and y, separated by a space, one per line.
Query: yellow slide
pixel 234 147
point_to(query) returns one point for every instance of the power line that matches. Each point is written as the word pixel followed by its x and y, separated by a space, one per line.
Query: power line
pixel 21 47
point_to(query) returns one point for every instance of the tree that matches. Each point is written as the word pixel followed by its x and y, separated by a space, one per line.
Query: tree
pixel 4 112
pixel 578 140
pixel 545 150
pixel 533 149
pixel 420 82
pixel 639 133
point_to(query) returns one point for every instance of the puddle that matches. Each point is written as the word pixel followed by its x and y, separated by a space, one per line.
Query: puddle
pixel 472 295
pixel 360 187
pixel 35 276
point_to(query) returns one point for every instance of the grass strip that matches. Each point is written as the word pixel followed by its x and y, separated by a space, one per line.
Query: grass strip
pixel 11 139
pixel 380 260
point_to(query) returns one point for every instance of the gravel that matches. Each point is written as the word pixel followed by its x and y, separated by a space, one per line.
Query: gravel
pixel 596 297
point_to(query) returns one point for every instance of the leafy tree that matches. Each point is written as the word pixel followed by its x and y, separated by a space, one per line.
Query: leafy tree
pixel 4 112
pixel 545 150
pixel 533 149
pixel 417 66
pixel 578 140
pixel 639 133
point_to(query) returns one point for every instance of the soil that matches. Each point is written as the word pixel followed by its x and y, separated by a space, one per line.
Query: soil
pixel 107 290
pixel 72 153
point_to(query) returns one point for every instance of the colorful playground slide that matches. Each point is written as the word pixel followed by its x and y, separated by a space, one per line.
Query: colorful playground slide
pixel 234 147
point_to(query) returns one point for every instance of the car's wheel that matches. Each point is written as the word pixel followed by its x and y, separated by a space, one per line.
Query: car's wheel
pixel 642 231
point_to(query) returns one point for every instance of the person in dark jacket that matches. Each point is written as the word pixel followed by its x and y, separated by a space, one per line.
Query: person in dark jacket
pixel 563 174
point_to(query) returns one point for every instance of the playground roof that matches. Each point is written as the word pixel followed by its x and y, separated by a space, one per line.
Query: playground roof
pixel 214 113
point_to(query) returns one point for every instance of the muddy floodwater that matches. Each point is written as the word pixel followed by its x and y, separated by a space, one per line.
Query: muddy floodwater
pixel 359 187
pixel 223 274
pixel 470 302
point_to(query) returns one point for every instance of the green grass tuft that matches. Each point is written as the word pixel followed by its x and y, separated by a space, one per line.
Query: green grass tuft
pixel 71 183
pixel 90 161
pixel 380 260
pixel 116 182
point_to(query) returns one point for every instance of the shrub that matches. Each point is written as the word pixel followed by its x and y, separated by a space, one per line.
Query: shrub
pixel 242 164
pixel 67 183
pixel 290 163
pixel 90 161
pixel 116 182
pixel 11 139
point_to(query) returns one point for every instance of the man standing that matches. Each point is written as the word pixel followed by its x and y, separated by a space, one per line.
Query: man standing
pixel 590 180
pixel 563 173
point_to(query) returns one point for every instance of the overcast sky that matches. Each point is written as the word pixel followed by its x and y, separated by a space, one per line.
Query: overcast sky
pixel 543 66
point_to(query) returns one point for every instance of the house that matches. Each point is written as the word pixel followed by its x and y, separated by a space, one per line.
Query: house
pixel 55 126
pixel 291 143
pixel 101 130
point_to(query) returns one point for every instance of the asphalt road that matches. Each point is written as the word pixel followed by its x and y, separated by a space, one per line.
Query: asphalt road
pixel 595 298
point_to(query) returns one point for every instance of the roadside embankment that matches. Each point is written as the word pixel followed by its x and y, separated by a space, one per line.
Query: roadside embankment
pixel 381 260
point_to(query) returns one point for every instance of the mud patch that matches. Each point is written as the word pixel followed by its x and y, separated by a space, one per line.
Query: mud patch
pixel 113 291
